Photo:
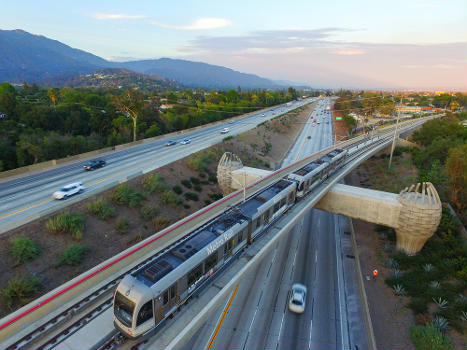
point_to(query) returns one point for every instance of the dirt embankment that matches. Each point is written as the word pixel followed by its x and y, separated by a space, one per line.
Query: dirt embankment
pixel 263 147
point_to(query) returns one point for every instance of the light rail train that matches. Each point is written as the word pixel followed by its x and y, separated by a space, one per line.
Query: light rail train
pixel 154 292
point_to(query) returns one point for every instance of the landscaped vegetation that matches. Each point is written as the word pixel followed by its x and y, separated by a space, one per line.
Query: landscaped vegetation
pixel 40 124
pixel 65 223
pixel 73 255
pixel 101 208
pixel 24 249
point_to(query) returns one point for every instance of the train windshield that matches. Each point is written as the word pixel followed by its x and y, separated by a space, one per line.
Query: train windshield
pixel 123 308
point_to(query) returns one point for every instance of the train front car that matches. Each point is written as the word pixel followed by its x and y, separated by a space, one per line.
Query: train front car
pixel 147 296
pixel 133 308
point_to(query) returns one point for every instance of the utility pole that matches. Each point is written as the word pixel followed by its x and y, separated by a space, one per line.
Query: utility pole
pixel 395 133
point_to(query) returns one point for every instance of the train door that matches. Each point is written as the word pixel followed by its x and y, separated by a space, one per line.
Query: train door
pixel 228 248
pixel 169 299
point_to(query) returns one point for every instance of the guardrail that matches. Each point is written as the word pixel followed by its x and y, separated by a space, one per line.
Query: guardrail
pixel 47 306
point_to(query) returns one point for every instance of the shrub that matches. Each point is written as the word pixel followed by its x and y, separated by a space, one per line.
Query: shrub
pixel 73 255
pixel 207 201
pixel 202 175
pixel 149 212
pixel 122 225
pixel 101 209
pixel 24 249
pixel 201 160
pixel 170 198
pixel 125 194
pixel 191 196
pixel 160 223
pixel 194 180
pixel 19 290
pixel 186 206
pixel 66 223
pixel 215 196
pixel 227 138
pixel 154 183
pixel 186 183
pixel 177 189
pixel 212 178
pixel 197 188
pixel 429 338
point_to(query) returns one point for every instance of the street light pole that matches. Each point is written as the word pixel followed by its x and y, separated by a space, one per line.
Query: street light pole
pixel 395 132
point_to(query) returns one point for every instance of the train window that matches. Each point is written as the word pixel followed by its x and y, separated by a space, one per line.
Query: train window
pixel 291 197
pixel 124 308
pixel 277 206
pixel 283 201
pixel 165 297
pixel 145 313
pixel 240 237
pixel 227 248
pixel 256 224
pixel 211 261
pixel 300 187
pixel 173 290
pixel 194 274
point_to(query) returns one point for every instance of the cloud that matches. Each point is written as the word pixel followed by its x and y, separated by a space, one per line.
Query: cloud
pixel 350 52
pixel 199 24
pixel 268 40
pixel 105 16
pixel 317 57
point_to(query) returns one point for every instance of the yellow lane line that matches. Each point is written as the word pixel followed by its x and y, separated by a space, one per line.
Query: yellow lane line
pixel 30 206
pixel 222 318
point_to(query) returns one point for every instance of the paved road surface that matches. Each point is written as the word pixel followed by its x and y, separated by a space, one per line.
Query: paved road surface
pixel 259 317
pixel 22 198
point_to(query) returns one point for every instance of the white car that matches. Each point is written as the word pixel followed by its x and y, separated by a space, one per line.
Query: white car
pixel 263 115
pixel 225 131
pixel 69 190
pixel 297 298
pixel 185 142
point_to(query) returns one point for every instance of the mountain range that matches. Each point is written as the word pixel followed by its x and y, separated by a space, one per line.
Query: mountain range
pixel 25 57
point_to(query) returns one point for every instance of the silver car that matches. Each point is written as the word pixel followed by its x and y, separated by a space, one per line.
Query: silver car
pixel 69 190
pixel 297 298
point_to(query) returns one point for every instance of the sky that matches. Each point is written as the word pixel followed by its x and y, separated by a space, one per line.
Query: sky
pixel 402 44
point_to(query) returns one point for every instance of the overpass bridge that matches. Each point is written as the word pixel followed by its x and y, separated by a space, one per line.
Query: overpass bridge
pixel 66 304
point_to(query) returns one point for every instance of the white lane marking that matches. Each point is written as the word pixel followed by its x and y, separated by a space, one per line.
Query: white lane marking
pixel 280 330
pixel 311 330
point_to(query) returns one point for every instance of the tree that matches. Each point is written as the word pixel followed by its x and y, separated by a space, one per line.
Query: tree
pixel 456 167
pixel 130 103
pixel 53 95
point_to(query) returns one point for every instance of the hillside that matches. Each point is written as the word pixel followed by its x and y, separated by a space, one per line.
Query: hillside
pixel 25 57
pixel 120 78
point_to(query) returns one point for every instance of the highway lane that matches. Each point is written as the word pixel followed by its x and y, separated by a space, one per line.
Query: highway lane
pixel 24 197
pixel 259 317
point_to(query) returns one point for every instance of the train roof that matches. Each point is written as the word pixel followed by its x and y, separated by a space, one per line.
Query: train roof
pixel 250 207
pixel 163 264
pixel 309 167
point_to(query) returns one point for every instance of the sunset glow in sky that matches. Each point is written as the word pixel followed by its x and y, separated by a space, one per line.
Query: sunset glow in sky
pixel 411 44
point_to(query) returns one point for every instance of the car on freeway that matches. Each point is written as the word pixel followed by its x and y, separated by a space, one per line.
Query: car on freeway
pixel 297 298
pixel 94 164
pixel 69 190
pixel 185 142
pixel 225 131
pixel 309 137
pixel 171 143
pixel 231 122
pixel 263 115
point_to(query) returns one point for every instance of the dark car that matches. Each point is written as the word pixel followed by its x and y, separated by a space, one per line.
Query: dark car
pixel 94 164
pixel 171 143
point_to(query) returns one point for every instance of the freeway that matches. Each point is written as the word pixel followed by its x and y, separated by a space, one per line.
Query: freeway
pixel 258 317
pixel 23 199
